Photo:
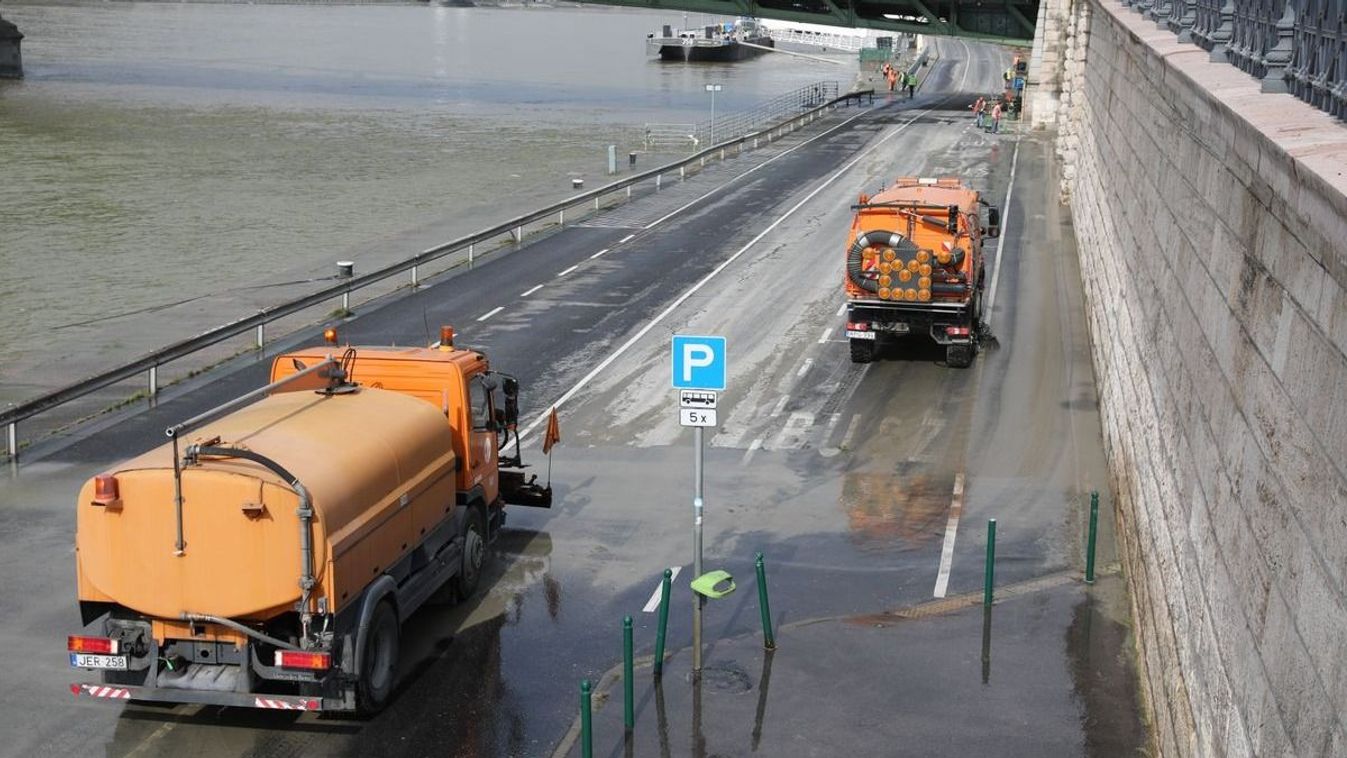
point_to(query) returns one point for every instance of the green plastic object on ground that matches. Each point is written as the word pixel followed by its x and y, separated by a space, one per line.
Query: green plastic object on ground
pixel 711 584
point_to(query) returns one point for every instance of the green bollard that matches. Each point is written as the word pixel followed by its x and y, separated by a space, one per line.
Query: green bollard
pixel 586 727
pixel 767 640
pixel 628 697
pixel 663 622
pixel 991 562
pixel 1089 546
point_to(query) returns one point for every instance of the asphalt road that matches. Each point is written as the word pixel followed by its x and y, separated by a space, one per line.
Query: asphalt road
pixel 846 477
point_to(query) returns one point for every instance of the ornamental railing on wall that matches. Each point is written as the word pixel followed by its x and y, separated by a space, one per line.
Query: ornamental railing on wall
pixel 1295 46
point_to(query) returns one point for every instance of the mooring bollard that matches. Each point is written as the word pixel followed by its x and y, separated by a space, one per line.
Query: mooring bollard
pixel 586 727
pixel 1089 545
pixel 663 621
pixel 766 610
pixel 628 695
pixel 991 562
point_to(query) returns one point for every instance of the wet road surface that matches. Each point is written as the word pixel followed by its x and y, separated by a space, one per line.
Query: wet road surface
pixel 846 477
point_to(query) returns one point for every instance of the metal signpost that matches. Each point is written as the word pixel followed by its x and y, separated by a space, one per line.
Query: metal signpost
pixel 713 89
pixel 698 374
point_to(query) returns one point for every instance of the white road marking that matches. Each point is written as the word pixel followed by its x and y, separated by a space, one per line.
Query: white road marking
pixel 951 529
pixel 804 367
pixel 780 406
pixel 851 430
pixel 567 271
pixel 653 604
pixel 753 447
pixel 599 254
pixel 842 309
pixel 491 313
pixel 826 334
pixel 531 291
pixel 678 302
pixel 627 238
pixel 1000 245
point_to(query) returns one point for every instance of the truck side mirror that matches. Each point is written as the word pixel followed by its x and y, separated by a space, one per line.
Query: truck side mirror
pixel 993 221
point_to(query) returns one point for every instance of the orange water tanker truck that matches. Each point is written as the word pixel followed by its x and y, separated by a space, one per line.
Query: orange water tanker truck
pixel 914 266
pixel 267 555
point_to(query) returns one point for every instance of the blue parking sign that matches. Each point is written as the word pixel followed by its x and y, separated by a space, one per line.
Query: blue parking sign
pixel 699 363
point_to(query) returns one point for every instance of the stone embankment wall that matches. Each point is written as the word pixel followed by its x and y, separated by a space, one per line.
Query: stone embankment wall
pixel 1212 226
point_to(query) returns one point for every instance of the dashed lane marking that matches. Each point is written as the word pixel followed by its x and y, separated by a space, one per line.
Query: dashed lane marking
pixel 567 271
pixel 753 447
pixel 531 291
pixel 780 406
pixel 824 337
pixel 804 367
pixel 841 309
pixel 599 254
pixel 653 604
pixel 491 313
pixel 627 238
pixel 951 530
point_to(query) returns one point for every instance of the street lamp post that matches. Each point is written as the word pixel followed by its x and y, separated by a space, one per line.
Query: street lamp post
pixel 713 89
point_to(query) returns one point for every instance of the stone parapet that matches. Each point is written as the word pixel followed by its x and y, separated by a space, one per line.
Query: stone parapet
pixel 1212 221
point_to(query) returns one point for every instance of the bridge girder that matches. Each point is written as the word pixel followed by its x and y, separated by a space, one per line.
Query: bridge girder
pixel 1005 21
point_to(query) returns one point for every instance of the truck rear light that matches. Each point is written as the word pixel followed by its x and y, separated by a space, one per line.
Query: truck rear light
pixel 106 492
pixel 296 659
pixel 858 326
pixel 958 331
pixel 95 645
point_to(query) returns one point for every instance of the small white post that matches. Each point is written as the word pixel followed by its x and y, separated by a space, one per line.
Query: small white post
pixel 416 280
pixel 261 336
pixel 470 249
pixel 154 381
pixel 12 440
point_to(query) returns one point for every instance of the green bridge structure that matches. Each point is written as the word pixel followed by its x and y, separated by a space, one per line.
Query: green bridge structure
pixel 1005 21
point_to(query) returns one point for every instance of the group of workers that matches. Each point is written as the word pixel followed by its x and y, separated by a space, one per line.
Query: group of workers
pixel 987 112
pixel 985 117
pixel 891 75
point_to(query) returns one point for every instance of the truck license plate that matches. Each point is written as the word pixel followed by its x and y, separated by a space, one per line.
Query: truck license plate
pixel 860 335
pixel 87 661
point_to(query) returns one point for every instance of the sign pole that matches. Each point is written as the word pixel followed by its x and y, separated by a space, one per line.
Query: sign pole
pixel 697 599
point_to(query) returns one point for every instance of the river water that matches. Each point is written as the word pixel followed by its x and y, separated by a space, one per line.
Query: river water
pixel 168 167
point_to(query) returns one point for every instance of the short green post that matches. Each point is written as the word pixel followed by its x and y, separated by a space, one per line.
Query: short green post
pixel 663 622
pixel 766 609
pixel 1089 545
pixel 628 697
pixel 586 728
pixel 990 574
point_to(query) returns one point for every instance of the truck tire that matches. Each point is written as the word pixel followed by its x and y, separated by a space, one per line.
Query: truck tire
pixel 959 356
pixel 469 578
pixel 379 661
pixel 862 351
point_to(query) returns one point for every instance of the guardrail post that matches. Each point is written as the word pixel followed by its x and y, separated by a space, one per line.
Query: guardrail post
pixel 1089 547
pixel 586 725
pixel 154 381
pixel 561 217
pixel 596 202
pixel 657 182
pixel 682 172
pixel 722 153
pixel 12 440
pixel 989 575
pixel 346 302
pixel 261 336
pixel 416 280
pixel 628 687
pixel 628 191
pixel 518 235
pixel 471 247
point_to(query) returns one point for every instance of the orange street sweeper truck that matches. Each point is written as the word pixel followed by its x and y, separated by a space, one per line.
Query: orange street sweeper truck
pixel 914 267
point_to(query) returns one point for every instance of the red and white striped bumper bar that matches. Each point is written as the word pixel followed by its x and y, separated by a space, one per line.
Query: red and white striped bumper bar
pixel 169 695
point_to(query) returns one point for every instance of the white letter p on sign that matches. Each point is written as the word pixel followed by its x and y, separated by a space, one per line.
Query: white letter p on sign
pixel 696 356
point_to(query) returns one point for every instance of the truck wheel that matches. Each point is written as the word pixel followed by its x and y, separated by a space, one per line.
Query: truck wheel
pixel 959 356
pixel 474 555
pixel 862 351
pixel 379 661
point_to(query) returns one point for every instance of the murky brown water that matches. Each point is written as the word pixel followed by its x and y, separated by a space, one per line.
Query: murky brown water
pixel 168 167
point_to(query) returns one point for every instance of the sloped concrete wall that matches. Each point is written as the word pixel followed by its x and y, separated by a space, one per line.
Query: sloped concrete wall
pixel 1212 226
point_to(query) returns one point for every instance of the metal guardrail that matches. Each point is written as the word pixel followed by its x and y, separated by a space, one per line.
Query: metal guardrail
pixel 149 364
pixel 740 123
pixel 1295 46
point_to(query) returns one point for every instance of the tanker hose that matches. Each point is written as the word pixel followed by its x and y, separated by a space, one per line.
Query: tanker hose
pixel 305 513
pixel 236 626
pixel 874 238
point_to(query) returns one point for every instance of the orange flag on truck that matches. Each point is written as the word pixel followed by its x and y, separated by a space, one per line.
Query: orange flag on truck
pixel 553 434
